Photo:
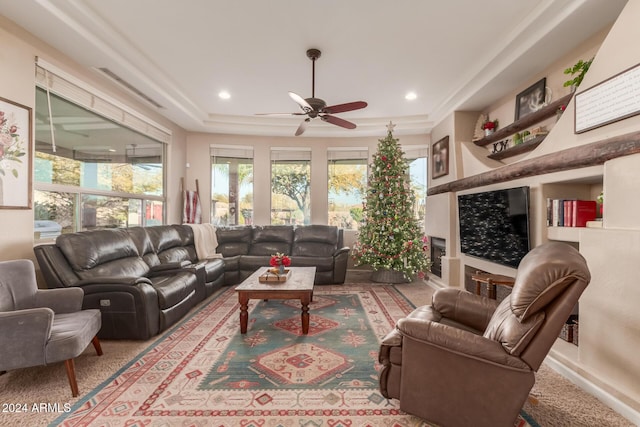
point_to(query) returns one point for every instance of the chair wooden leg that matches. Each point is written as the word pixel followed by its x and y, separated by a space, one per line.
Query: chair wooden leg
pixel 71 373
pixel 96 344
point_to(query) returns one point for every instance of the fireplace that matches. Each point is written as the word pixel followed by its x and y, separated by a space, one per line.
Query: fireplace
pixel 438 250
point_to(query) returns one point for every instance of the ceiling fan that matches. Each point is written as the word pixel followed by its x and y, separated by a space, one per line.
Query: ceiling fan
pixel 315 107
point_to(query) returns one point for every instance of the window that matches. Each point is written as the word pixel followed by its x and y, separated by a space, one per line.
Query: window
pixel 231 186
pixel 347 173
pixel 417 160
pixel 290 186
pixel 91 171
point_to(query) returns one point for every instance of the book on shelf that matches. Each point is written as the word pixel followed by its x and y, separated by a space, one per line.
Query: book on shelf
pixel 570 212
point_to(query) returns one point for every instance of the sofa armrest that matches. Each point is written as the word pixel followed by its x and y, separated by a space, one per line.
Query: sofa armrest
pixel 60 300
pixel 459 341
pixel 169 266
pixel 128 311
pixel 113 280
pixel 342 250
pixel 464 307
pixel 24 334
pixel 340 260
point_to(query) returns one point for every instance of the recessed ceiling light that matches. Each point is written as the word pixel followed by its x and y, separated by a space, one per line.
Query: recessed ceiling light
pixel 410 96
pixel 224 95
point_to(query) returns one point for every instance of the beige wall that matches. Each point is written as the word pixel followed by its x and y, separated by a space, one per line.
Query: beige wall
pixel 609 324
pixel 17 83
pixel 200 167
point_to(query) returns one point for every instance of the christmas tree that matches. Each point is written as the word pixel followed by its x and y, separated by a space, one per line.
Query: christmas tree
pixel 389 237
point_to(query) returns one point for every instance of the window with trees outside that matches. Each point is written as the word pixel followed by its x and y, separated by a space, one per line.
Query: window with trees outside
pixel 231 186
pixel 417 160
pixel 347 174
pixel 290 186
pixel 91 171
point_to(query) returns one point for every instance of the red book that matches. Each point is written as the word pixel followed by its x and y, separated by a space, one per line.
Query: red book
pixel 583 211
pixel 568 213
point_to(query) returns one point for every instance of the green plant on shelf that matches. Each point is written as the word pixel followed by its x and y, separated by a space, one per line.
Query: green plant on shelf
pixel 579 69
pixel 517 139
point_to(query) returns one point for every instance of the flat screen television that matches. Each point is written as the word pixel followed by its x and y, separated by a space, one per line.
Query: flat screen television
pixel 494 225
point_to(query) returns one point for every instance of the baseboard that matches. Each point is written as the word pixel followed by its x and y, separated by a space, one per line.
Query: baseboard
pixel 630 413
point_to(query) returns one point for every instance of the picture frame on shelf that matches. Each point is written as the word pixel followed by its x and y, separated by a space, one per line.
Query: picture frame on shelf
pixel 531 99
pixel 15 155
pixel 440 158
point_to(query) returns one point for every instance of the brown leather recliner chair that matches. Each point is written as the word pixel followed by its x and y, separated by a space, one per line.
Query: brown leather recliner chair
pixel 469 360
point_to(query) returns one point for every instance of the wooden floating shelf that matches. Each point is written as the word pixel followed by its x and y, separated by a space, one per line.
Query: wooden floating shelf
pixel 595 153
pixel 526 122
pixel 525 147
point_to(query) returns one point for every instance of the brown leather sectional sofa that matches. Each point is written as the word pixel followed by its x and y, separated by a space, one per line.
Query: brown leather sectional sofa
pixel 145 279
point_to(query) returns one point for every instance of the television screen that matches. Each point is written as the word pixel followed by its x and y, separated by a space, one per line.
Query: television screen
pixel 494 225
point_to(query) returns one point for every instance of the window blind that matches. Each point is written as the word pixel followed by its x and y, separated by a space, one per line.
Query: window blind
pixel 237 152
pixel 62 84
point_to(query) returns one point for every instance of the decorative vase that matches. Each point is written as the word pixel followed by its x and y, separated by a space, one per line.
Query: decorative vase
pixel 281 269
pixel 488 132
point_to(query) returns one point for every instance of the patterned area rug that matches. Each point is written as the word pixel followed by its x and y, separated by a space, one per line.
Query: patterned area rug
pixel 204 372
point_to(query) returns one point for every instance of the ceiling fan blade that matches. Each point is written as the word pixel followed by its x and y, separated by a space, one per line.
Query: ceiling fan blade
pixel 301 102
pixel 338 121
pixel 341 108
pixel 302 127
pixel 280 114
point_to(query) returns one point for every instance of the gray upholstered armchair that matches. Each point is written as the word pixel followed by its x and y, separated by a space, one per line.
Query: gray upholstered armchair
pixel 469 360
pixel 42 326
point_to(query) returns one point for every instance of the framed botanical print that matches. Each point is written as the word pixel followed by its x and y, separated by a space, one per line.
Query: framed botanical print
pixel 15 155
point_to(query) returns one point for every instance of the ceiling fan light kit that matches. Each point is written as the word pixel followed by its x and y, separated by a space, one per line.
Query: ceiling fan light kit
pixel 315 107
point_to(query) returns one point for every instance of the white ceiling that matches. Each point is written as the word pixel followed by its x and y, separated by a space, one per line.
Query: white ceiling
pixel 455 54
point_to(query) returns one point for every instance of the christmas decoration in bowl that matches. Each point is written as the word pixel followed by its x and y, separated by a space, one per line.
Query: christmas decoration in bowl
pixel 490 126
pixel 279 261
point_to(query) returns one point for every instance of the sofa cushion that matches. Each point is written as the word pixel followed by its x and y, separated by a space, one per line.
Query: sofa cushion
pixel 514 335
pixel 253 262
pixel 102 253
pixel 188 241
pixel 271 239
pixel 144 244
pixel 541 278
pixel 169 244
pixel 214 268
pixel 88 249
pixel 164 237
pixel 321 263
pixel 233 241
pixel 231 263
pixel 174 288
pixel 315 240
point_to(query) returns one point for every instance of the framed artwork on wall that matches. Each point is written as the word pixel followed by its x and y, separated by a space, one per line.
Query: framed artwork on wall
pixel 15 155
pixel 440 158
pixel 531 99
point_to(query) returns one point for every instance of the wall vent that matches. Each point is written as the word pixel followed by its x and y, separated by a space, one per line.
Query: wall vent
pixel 113 76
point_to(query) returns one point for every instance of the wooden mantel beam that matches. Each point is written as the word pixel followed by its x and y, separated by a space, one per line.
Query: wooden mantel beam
pixel 578 157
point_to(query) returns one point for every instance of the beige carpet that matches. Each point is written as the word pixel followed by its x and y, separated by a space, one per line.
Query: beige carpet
pixel 37 396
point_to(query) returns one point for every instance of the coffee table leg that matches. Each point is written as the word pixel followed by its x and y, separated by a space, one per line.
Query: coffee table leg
pixel 244 312
pixel 305 314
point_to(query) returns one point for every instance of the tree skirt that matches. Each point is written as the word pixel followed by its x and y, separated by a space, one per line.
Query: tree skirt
pixel 204 372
